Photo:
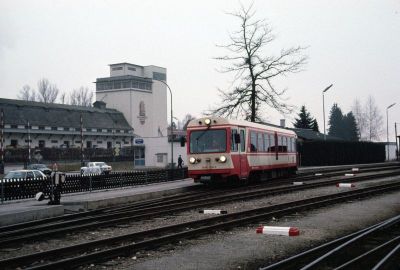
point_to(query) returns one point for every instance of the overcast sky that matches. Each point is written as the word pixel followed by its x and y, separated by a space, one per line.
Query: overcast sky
pixel 353 44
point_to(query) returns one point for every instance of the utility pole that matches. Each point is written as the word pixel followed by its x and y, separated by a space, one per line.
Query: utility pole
pixel 81 140
pixel 387 129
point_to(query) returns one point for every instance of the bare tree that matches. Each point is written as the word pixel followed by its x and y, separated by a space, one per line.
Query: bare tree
pixel 361 119
pixel 81 97
pixel 63 98
pixel 254 70
pixel 47 92
pixel 374 120
pixel 186 120
pixel 27 93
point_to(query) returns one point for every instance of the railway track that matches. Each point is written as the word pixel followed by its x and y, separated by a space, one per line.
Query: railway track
pixel 17 234
pixel 101 250
pixel 376 247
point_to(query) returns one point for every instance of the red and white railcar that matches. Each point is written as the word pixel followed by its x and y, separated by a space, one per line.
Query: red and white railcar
pixel 220 149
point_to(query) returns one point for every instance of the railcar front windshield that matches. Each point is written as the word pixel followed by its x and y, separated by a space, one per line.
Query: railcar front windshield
pixel 208 141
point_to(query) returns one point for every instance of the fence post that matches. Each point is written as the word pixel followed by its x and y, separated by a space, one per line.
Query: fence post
pixel 146 177
pixel 90 183
pixel 2 190
pixel 120 181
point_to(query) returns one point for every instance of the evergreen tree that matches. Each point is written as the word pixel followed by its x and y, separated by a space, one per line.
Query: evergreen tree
pixel 336 126
pixel 314 125
pixel 351 129
pixel 305 120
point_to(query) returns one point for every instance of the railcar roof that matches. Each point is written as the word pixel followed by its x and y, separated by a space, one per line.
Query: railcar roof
pixel 224 121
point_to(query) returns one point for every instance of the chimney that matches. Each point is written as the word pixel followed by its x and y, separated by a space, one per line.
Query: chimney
pixel 283 123
pixel 99 104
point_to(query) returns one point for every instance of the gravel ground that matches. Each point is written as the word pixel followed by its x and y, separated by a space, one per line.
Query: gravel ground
pixel 76 238
pixel 242 248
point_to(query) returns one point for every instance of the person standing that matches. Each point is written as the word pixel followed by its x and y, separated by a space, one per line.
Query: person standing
pixel 180 161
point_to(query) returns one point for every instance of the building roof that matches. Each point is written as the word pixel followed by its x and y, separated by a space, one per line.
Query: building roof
pixel 311 135
pixel 19 112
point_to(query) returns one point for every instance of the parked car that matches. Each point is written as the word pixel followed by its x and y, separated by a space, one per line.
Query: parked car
pixel 25 174
pixel 96 168
pixel 41 167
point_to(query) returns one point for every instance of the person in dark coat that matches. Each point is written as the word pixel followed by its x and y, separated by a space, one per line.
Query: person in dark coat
pixel 180 161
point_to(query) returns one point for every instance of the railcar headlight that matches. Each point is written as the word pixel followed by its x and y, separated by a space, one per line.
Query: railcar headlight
pixel 192 160
pixel 222 159
pixel 207 121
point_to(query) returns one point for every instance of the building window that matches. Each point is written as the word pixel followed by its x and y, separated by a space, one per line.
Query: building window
pixel 14 126
pixel 88 144
pixel 109 145
pixel 77 141
pixel 160 158
pixel 42 144
pixel 30 141
pixel 117 85
pixel 66 129
pixel 126 84
pixel 99 142
pixel 99 130
pixel 53 128
pixel 41 127
pixel 14 143
pixel 159 76
pixel 132 68
pixel 116 68
pixel 54 141
pixel 66 144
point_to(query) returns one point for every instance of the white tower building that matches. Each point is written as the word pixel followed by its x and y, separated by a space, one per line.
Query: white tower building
pixel 135 91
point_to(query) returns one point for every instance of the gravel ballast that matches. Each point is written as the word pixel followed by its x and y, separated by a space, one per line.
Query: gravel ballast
pixel 242 248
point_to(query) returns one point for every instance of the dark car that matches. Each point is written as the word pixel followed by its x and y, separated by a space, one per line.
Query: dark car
pixel 41 167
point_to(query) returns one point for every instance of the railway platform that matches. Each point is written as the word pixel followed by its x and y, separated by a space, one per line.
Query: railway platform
pixel 12 212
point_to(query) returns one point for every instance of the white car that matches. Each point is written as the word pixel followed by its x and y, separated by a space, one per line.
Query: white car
pixel 25 174
pixel 96 168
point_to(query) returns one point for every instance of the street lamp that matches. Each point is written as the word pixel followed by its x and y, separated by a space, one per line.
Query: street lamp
pixel 172 139
pixel 323 106
pixel 397 146
pixel 387 128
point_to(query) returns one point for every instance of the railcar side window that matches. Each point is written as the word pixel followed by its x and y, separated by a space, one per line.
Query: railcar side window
pixel 242 141
pixel 290 144
pixel 285 144
pixel 234 146
pixel 272 140
pixel 253 141
pixel 260 143
pixel 294 145
pixel 266 142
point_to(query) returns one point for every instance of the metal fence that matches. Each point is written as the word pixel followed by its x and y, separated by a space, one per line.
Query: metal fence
pixel 15 189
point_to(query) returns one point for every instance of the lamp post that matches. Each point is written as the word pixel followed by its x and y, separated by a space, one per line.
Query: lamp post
pixel 172 139
pixel 387 128
pixel 397 146
pixel 323 106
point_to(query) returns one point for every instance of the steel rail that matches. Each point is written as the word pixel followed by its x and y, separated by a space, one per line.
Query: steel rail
pixel 16 236
pixel 185 230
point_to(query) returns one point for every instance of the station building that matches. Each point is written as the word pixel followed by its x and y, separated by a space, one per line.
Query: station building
pixel 130 110
pixel 50 125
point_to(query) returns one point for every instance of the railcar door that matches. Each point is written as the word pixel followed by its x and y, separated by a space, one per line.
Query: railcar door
pixel 243 163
